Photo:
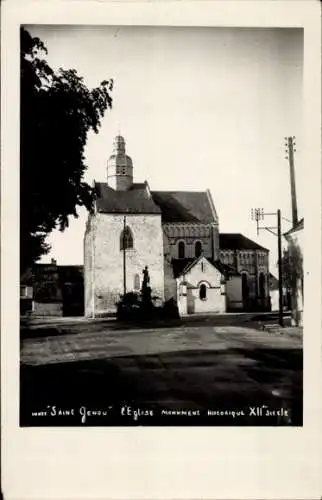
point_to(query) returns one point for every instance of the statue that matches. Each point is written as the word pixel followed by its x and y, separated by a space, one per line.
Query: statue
pixel 146 290
pixel 146 278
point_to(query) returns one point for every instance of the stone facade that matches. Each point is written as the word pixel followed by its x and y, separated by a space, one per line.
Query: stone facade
pixel 234 293
pixel 170 283
pixel 162 226
pixel 47 309
pixel 104 276
pixel 166 231
pixel 249 287
pixel 201 289
pixel 193 238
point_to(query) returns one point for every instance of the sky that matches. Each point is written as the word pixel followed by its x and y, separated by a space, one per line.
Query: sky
pixel 199 108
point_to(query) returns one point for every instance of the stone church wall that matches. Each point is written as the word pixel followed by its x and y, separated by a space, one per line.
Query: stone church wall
pixel 170 283
pixel 190 233
pixel 215 241
pixel 47 309
pixel 234 293
pixel 108 259
pixel 88 269
pixel 203 273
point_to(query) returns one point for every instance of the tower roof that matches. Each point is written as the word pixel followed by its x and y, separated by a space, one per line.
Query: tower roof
pixel 119 158
pixel 119 145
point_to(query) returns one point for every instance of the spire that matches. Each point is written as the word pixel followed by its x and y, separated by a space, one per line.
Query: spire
pixel 119 166
pixel 119 145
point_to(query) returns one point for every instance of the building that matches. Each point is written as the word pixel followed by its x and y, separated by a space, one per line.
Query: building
pixel 274 295
pixel 248 283
pixel 52 290
pixel 175 234
pixel 295 239
pixel 133 227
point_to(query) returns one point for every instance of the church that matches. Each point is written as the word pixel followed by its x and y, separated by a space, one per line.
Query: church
pixel 175 235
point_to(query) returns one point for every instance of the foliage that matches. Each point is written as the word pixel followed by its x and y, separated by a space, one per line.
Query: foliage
pixel 57 112
pixel 293 276
pixel 292 265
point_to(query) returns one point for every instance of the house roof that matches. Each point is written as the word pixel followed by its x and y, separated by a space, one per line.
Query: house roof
pixel 183 266
pixel 227 269
pixel 135 200
pixel 185 206
pixel 178 266
pixel 40 272
pixel 175 206
pixel 297 227
pixel 48 280
pixel 237 241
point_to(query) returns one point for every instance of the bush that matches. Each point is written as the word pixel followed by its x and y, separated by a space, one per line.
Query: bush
pixel 170 309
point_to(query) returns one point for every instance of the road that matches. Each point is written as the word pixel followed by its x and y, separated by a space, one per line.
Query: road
pixel 213 371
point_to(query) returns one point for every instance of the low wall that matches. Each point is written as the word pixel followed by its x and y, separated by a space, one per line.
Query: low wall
pixel 48 309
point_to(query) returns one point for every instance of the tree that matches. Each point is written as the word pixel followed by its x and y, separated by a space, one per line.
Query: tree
pixel 57 112
pixel 292 265
pixel 293 274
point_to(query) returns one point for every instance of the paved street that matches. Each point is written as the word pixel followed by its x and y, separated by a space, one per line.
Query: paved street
pixel 203 368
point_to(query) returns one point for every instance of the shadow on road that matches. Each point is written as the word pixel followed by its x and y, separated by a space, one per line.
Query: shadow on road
pixel 228 380
pixel 30 330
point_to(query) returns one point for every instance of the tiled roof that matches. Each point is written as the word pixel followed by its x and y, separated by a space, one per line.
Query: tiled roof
pixel 185 206
pixel 181 266
pixel 237 241
pixel 135 200
pixel 226 269
pixel 178 265
pixel 175 206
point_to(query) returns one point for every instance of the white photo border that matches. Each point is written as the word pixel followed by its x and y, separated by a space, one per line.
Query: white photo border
pixel 148 463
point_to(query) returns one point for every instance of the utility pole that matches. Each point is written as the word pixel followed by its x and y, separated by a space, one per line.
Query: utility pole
pixel 280 268
pixel 124 256
pixel 289 151
pixel 258 214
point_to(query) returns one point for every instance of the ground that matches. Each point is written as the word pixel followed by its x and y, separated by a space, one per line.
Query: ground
pixel 206 371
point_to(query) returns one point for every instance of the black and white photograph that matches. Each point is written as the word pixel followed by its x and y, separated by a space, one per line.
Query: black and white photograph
pixel 157 162
pixel 161 226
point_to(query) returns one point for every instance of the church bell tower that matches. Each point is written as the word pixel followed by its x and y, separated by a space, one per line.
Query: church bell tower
pixel 119 167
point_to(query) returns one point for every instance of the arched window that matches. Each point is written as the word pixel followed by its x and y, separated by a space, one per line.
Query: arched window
pixel 245 288
pixel 202 292
pixel 181 250
pixel 126 239
pixel 198 248
pixel 136 282
pixel 261 285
